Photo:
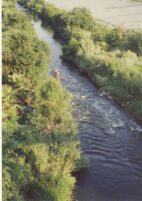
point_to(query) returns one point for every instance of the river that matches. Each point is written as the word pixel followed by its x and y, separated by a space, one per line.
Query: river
pixel 109 136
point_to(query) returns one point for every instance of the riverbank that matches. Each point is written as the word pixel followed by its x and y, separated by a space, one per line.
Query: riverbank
pixel 111 58
pixel 109 135
pixel 40 143
pixel 123 13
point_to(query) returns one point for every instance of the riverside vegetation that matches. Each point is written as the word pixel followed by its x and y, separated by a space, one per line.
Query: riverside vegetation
pixel 111 58
pixel 40 145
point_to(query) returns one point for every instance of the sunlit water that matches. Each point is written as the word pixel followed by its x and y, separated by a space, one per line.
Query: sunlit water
pixel 109 136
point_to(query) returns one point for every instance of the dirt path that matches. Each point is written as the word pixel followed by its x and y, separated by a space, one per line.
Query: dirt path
pixel 111 12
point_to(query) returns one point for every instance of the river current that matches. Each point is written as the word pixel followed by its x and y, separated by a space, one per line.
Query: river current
pixel 110 137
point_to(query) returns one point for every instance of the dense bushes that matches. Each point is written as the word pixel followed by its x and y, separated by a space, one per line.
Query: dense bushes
pixel 23 54
pixel 118 73
pixel 40 146
pixel 133 41
pixel 112 58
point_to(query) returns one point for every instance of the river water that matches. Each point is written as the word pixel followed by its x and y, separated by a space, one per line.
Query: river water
pixel 109 136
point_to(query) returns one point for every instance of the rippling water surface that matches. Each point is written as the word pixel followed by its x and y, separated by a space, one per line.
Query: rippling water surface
pixel 109 136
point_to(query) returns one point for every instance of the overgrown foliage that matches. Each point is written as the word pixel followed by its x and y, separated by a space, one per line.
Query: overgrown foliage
pixel 40 146
pixel 111 58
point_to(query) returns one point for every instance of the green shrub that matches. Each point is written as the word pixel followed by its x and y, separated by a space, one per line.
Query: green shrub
pixel 40 146
pixel 133 41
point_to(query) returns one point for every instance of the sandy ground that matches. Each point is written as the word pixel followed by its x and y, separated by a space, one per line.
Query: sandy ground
pixel 111 12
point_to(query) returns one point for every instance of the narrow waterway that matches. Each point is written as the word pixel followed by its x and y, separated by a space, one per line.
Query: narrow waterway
pixel 109 136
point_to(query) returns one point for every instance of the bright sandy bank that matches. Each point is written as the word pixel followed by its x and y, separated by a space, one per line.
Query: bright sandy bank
pixel 112 12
